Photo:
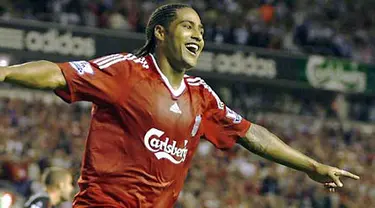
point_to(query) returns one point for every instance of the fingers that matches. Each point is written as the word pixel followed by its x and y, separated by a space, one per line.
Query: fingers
pixel 347 174
pixel 335 176
pixel 331 189
pixel 330 185
pixel 336 179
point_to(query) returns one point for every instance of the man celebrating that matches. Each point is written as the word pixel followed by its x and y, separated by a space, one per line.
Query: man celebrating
pixel 148 116
pixel 58 187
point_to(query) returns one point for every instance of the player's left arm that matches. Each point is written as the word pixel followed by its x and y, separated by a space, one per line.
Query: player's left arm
pixel 264 143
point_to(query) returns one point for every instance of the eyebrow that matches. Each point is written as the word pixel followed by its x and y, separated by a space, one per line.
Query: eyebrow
pixel 191 22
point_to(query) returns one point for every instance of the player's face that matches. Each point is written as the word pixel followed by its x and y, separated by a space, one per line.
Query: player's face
pixel 184 39
pixel 67 188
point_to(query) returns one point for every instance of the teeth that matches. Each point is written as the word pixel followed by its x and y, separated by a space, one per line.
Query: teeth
pixel 192 45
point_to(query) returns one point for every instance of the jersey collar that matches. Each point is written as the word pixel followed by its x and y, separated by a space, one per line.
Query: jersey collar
pixel 175 92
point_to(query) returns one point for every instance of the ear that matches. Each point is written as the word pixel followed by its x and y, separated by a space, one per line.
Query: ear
pixel 159 32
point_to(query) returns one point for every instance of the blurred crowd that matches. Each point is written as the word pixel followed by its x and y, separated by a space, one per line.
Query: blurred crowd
pixel 238 179
pixel 342 28
pixel 314 102
pixel 35 134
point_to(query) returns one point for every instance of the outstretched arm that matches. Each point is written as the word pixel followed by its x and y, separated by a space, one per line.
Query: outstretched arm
pixel 37 74
pixel 263 143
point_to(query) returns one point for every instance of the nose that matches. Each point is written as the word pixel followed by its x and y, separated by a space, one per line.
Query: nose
pixel 197 35
pixel 197 38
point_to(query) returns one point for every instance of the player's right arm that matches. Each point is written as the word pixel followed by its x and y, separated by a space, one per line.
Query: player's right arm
pixel 36 74
pixel 103 80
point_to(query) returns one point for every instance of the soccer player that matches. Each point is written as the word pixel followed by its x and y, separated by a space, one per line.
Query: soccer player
pixel 148 116
pixel 58 188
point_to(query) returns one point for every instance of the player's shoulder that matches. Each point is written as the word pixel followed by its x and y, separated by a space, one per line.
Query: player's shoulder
pixel 39 200
pixel 204 90
pixel 198 83
pixel 129 60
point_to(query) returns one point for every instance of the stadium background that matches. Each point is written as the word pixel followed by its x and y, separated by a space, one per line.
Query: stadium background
pixel 304 69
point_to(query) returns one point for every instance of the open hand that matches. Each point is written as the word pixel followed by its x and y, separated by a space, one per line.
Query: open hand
pixel 330 176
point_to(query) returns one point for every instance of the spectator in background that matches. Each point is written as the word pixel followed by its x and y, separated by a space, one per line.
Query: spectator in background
pixel 267 11
pixel 38 9
pixel 276 33
pixel 288 38
pixel 5 8
pixel 362 47
pixel 16 172
pixel 342 46
pixel 58 188
pixel 210 17
pixel 241 33
pixel 270 183
pixel 71 12
pixel 222 31
pixel 119 19
pixel 259 36
pixel 103 9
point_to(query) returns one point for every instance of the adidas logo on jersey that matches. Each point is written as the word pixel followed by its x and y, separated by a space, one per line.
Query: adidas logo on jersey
pixel 164 149
pixel 175 109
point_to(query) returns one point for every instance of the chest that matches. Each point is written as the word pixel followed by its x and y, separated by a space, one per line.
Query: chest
pixel 151 105
pixel 167 127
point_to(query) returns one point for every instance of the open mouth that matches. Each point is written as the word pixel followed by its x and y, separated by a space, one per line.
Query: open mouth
pixel 192 48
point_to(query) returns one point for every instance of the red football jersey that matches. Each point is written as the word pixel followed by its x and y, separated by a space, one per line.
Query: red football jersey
pixel 143 132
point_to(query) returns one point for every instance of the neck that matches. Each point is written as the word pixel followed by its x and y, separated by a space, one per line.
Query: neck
pixel 54 197
pixel 174 75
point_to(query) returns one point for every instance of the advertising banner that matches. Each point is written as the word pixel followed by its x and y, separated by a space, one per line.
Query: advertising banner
pixel 28 40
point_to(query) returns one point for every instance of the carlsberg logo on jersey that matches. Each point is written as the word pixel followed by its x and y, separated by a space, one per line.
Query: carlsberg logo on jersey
pixel 164 149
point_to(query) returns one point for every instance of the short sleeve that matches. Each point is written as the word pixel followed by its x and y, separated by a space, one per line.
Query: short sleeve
pixel 222 126
pixel 98 81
